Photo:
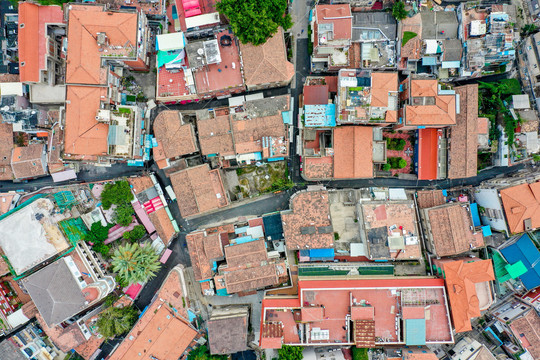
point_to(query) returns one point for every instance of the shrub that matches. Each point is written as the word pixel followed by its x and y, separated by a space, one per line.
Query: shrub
pixel 396 162
pixel 386 167
pixel 135 234
pixel 395 144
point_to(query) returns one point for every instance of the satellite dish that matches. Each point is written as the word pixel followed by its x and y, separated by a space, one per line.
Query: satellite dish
pixel 200 51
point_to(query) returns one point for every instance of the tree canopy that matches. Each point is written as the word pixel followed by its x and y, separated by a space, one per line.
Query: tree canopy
pixel 135 263
pixel 117 193
pixel 254 21
pixel 202 353
pixel 115 321
pixel 123 214
pixel 288 352
pixel 135 234
pixel 398 10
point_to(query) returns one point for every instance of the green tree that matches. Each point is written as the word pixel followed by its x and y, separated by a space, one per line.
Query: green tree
pixel 135 234
pixel 290 353
pixel 117 193
pixel 254 21
pixel 402 163
pixel 398 10
pixel 98 233
pixel 102 249
pixel 202 353
pixel 134 263
pixel 123 214
pixel 115 321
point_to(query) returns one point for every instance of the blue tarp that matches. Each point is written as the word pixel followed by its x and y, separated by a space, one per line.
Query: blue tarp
pixel 244 239
pixel 475 215
pixel 241 230
pixel 486 230
pixel 524 250
pixel 276 159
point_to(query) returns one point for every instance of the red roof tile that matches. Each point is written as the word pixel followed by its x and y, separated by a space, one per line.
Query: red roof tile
pixel 84 135
pixel 306 225
pixel 353 152
pixel 463 145
pixel 461 278
pixel 521 202
pixel 316 95
pixel 428 153
pixel 526 330
pixel 339 15
pixel 32 37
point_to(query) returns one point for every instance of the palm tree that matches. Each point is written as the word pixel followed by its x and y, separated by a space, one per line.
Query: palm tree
pixel 115 321
pixel 134 263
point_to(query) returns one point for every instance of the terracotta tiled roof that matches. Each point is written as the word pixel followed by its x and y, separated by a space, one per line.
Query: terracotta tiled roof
pixel 353 152
pixel 483 125
pixel 272 335
pixel 215 135
pixel 198 189
pixel 412 49
pixel 64 338
pixel 441 113
pixel 228 335
pixel 203 250
pixel 307 225
pixel 520 203
pixel 462 153
pixel 267 63
pixel 164 323
pixel 163 225
pixel 428 154
pixel 526 330
pixel 252 252
pixel 251 278
pixel 318 167
pixel 6 148
pixel 461 279
pixel 32 42
pixel 248 133
pixel 429 198
pixel 316 95
pixel 411 353
pixel 450 228
pixel 176 139
pixel 383 83
pixel 83 64
pixel 166 337
pixel 84 135
pixel 26 161
pixel 140 183
pixel 342 19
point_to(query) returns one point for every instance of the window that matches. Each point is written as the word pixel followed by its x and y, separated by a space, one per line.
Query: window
pixel 522 335
pixel 505 318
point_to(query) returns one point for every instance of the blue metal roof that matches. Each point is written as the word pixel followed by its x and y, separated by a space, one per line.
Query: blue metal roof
pixel 526 251
pixel 486 230
pixel 475 214
pixel 415 331
pixel 321 253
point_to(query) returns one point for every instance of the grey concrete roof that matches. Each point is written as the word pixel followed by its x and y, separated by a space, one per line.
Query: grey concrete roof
pixel 55 292
pixel 363 21
pixel 439 25
pixel 228 335
pixel 10 352
pixel 452 50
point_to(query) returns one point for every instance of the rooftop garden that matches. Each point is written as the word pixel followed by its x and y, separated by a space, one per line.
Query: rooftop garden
pixel 407 35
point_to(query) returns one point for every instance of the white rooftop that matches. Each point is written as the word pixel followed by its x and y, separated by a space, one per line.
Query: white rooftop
pixel 29 236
